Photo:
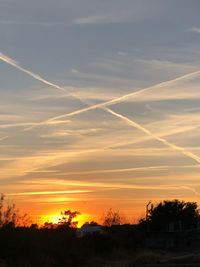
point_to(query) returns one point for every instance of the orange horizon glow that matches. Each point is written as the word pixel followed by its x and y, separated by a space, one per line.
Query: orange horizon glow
pixel 44 207
pixel 55 218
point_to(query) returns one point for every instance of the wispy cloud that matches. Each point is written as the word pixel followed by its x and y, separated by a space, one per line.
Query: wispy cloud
pixel 116 185
pixel 121 53
pixel 191 189
pixel 3 138
pixel 50 192
pixel 103 19
pixel 29 23
pixel 78 132
pixel 195 29
pixel 106 185
pixel 92 20
pixel 163 133
pixel 150 168
pixel 25 124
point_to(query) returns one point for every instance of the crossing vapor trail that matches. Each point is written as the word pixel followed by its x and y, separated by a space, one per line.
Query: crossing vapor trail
pixel 104 105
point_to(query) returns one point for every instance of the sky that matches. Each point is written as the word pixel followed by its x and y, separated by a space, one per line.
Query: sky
pixel 99 104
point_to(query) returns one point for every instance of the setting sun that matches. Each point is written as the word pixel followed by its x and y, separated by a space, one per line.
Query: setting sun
pixel 56 218
pixel 52 218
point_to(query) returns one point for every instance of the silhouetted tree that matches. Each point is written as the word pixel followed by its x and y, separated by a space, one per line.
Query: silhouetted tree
pixel 1 209
pixel 34 226
pixel 67 219
pixel 8 214
pixel 92 223
pixel 112 218
pixel 183 214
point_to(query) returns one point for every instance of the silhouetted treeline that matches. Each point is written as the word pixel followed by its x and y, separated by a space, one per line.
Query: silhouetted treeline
pixel 61 245
pixel 182 215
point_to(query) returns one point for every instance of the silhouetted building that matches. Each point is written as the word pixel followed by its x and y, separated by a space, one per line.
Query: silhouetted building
pixel 89 229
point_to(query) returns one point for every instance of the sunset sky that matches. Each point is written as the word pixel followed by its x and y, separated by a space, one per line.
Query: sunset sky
pixel 99 104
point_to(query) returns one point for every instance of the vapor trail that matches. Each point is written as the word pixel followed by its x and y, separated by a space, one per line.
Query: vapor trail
pixel 32 124
pixel 124 97
pixel 118 99
pixel 121 170
pixel 15 64
pixel 191 189
pixel 103 105
pixel 154 136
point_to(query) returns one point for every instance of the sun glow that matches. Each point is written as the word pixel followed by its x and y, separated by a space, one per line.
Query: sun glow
pixel 52 218
pixel 55 219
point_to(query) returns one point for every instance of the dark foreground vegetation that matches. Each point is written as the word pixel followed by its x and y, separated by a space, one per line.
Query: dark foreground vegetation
pixel 167 235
